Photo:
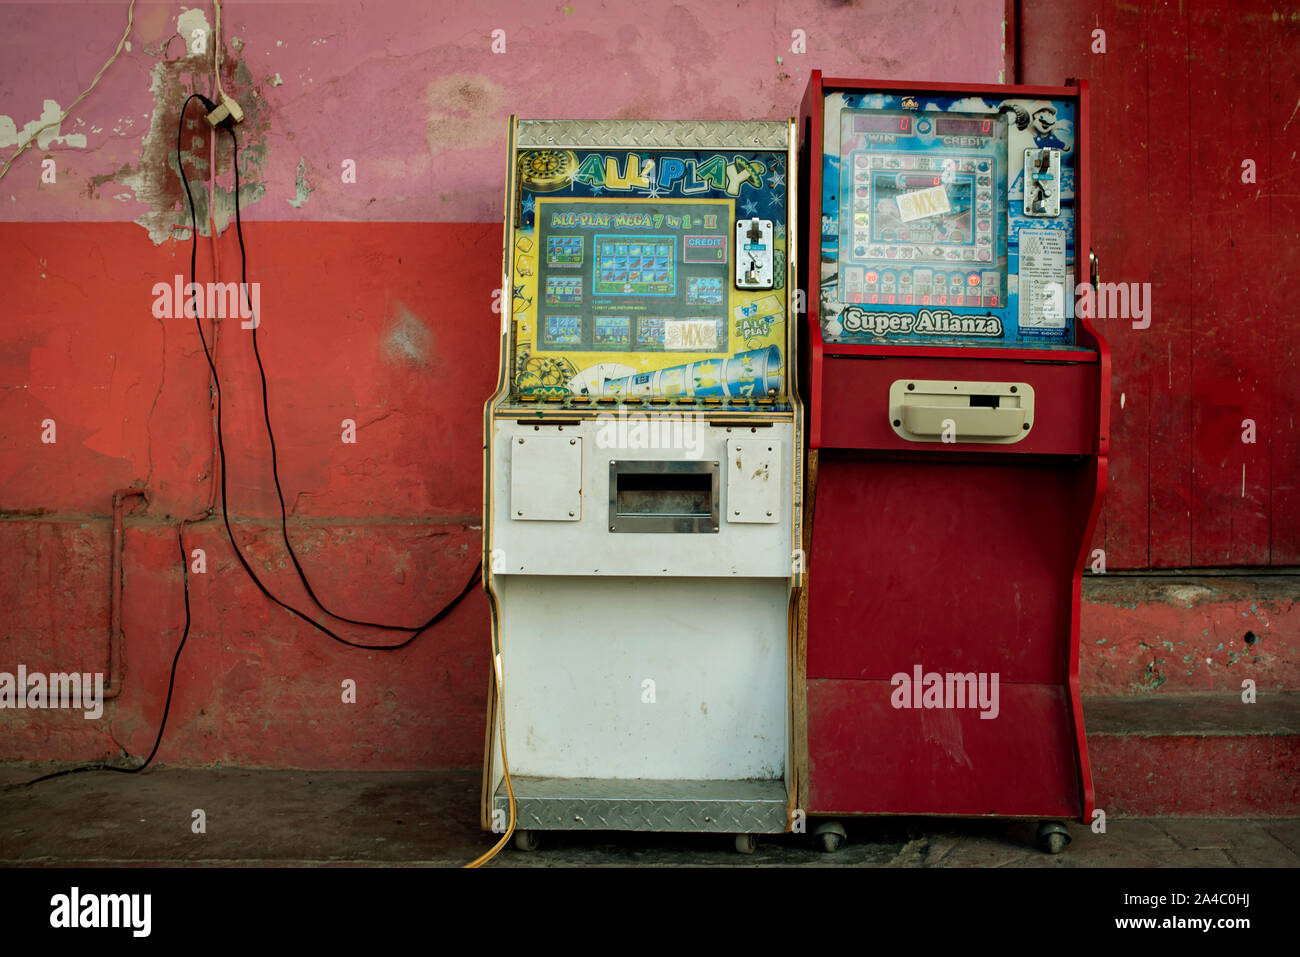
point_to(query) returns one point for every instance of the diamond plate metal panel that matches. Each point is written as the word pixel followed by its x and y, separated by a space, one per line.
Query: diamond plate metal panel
pixel 653 134
pixel 732 807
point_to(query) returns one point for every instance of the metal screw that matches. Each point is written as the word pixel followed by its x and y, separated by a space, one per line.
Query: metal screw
pixel 571 513
pixel 573 441
pixel 769 514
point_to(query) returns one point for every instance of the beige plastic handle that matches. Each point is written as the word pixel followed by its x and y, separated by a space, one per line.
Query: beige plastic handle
pixel 949 411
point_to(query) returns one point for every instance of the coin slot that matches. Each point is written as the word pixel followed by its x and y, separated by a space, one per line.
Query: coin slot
pixel 663 496
pixel 659 493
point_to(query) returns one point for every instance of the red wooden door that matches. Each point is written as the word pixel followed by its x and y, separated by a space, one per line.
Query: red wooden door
pixel 1186 97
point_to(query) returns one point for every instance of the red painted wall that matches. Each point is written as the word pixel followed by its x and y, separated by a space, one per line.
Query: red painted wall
pixel 371 322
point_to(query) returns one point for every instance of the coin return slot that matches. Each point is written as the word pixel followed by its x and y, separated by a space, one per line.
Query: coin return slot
pixel 984 401
pixel 663 496
pixel 648 494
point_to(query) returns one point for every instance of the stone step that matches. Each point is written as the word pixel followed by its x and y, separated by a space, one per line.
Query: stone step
pixel 1202 755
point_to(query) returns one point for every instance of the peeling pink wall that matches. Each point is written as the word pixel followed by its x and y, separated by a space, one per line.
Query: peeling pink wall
pixel 413 92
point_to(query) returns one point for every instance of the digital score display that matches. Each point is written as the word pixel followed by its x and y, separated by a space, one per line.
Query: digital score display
pixel 882 123
pixel 950 126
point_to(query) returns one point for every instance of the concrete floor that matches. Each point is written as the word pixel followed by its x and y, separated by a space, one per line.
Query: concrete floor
pixel 425 818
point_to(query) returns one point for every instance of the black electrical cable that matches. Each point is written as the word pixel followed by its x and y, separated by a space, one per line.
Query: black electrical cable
pixel 270 433
pixel 225 514
pixel 171 682
pixel 167 707
pixel 221 449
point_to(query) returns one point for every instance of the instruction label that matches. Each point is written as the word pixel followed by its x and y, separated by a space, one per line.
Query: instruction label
pixel 1043 292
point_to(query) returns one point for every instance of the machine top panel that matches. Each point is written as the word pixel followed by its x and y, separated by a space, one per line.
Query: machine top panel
pixel 653 134
pixel 649 262
pixel 947 219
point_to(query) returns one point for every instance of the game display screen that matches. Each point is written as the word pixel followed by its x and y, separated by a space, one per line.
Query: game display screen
pixel 633 277
pixel 918 218
pixel 924 237
pixel 624 275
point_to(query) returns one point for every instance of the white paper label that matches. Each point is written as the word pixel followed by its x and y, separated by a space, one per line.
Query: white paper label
pixel 1043 292
pixel 692 335
pixel 922 203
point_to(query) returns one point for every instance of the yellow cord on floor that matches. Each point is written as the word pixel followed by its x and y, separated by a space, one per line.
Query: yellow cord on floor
pixel 505 767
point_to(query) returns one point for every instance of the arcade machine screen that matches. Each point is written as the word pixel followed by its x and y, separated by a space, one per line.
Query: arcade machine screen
pixel 629 278
pixel 611 280
pixel 928 237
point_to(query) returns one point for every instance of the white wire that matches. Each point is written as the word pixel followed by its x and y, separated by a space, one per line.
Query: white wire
pixel 216 63
pixel 130 15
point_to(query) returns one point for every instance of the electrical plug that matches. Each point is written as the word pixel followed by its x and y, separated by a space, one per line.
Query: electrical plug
pixel 227 113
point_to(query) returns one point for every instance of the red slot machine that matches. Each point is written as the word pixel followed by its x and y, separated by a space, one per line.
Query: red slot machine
pixel 957 397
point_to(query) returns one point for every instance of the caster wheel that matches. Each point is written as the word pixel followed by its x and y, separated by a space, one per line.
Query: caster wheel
pixel 830 843
pixel 746 843
pixel 1053 837
pixel 526 841
pixel 830 836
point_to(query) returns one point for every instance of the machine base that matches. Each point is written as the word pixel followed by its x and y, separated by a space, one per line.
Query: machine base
pixel 612 804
